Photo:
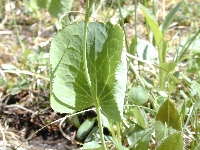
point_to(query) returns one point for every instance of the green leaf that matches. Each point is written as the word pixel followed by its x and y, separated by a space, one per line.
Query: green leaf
pixel 133 45
pixel 165 24
pixel 37 4
pixel 74 120
pixel 105 122
pixel 138 95
pixel 162 51
pixel 197 148
pixel 195 88
pixel 59 7
pixel 8 67
pixel 172 142
pixel 147 51
pixel 139 115
pixel 84 129
pixel 92 146
pixel 167 115
pixel 169 67
pixel 127 11
pixel 106 63
pixel 119 145
pixel 92 134
pixel 151 21
pixel 139 139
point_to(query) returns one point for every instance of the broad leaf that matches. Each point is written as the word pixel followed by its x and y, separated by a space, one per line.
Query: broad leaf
pixel 165 24
pixel 172 142
pixel 167 120
pixel 106 63
pixel 151 21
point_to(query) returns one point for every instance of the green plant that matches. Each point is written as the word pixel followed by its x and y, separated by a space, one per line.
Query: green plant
pixel 88 69
pixel 94 62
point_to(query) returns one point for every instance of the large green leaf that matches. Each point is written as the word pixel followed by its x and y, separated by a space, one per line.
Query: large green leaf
pixel 172 142
pixel 151 21
pixel 167 120
pixel 106 63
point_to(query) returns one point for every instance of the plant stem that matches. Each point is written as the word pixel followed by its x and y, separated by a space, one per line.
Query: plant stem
pixel 96 101
pixel 137 75
pixel 119 132
pixel 98 111
pixel 85 44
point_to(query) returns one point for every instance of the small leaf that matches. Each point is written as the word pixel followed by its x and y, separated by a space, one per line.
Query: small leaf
pixel 37 4
pixel 92 146
pixel 138 95
pixel 91 135
pixel 119 145
pixel 197 148
pixel 59 7
pixel 147 51
pixel 164 72
pixel 140 117
pixel 105 122
pixel 127 11
pixel 169 67
pixel 165 24
pixel 172 142
pixel 139 138
pixel 8 67
pixel 163 94
pixel 151 21
pixel 133 45
pixel 195 88
pixel 75 121
pixel 167 114
pixel 84 129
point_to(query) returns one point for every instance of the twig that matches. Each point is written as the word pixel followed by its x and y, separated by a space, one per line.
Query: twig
pixel 19 106
pixel 5 32
pixel 25 72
